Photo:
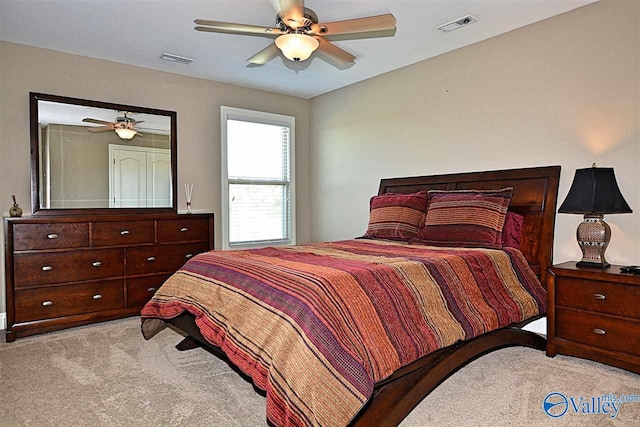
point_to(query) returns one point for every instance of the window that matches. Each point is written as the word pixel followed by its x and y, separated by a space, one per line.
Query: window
pixel 257 179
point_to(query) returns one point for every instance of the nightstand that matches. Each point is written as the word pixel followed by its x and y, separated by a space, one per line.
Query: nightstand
pixel 594 313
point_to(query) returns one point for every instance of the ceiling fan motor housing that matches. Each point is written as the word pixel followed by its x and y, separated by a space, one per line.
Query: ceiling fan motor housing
pixel 125 120
pixel 290 25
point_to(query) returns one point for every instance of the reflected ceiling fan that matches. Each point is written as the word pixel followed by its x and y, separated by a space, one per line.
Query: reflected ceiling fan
pixel 124 126
pixel 298 34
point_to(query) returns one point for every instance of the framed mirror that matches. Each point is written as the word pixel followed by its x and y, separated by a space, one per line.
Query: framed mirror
pixel 91 157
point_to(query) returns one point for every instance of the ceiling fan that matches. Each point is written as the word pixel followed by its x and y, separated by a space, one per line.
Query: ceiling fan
pixel 124 126
pixel 298 34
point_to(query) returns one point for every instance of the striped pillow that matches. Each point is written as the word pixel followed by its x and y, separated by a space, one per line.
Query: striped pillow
pixel 512 231
pixel 396 216
pixel 466 218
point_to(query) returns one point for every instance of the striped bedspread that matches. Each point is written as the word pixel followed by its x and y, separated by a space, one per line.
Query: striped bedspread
pixel 317 325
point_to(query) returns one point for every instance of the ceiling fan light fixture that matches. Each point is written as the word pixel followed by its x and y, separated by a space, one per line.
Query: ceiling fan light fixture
pixel 296 46
pixel 126 133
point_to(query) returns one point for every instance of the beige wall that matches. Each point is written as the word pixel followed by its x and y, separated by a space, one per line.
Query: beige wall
pixel 197 102
pixel 564 91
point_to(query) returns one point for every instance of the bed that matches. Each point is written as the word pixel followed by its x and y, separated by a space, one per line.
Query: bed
pixel 388 399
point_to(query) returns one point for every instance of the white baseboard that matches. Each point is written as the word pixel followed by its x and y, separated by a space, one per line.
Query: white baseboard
pixel 3 320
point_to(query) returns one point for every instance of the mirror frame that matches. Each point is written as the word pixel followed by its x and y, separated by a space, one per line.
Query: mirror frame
pixel 35 163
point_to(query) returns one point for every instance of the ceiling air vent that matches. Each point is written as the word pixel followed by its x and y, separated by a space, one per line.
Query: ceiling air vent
pixel 176 58
pixel 458 23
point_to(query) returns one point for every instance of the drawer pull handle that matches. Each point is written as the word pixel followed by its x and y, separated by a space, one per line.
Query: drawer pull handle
pixel 97 296
pixel 47 268
pixel 600 296
pixel 599 331
pixel 183 229
pixel 151 259
pixel 124 232
pixel 96 264
pixel 47 303
pixel 188 256
pixel 151 289
pixel 52 236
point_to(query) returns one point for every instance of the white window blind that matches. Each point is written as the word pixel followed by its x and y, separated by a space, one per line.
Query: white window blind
pixel 257 178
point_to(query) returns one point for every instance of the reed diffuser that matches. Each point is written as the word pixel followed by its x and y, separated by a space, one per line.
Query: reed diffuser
pixel 188 189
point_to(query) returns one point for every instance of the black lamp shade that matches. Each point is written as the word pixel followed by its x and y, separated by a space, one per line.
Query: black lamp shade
pixel 594 190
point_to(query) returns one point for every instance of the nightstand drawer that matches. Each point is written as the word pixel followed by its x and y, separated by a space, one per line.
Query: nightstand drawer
pixel 594 295
pixel 600 331
pixel 36 304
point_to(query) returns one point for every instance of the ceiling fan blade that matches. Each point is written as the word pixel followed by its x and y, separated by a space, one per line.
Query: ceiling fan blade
pixel 334 55
pixel 100 128
pixel 231 28
pixel 354 26
pixel 96 121
pixel 361 36
pixel 265 55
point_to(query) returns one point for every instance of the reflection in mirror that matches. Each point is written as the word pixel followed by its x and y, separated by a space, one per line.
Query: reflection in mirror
pixel 90 157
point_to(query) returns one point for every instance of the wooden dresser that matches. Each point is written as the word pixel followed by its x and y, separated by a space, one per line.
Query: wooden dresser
pixel 69 271
pixel 594 314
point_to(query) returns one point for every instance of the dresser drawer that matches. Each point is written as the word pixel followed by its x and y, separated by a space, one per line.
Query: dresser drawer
pixel 176 230
pixel 161 258
pixel 603 297
pixel 141 289
pixel 58 301
pixel 600 331
pixel 122 233
pixel 34 269
pixel 50 236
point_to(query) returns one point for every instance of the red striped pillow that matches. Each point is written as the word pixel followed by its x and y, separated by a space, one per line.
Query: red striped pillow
pixel 466 218
pixel 512 231
pixel 396 216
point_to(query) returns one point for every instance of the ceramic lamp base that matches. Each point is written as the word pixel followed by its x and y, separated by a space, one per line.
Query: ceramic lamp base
pixel 593 236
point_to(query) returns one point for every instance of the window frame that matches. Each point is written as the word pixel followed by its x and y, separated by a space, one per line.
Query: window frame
pixel 252 116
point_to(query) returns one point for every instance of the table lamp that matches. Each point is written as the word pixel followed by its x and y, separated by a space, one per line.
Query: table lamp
pixel 593 193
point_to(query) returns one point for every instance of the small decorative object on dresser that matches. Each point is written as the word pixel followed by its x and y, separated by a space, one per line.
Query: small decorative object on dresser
pixel 188 189
pixel 15 210
pixel 78 269
pixel 593 193
pixel 594 314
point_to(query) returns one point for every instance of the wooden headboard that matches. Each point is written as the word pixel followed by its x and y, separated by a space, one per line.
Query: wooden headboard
pixel 535 192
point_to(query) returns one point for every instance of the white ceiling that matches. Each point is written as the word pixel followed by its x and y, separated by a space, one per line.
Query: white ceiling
pixel 137 32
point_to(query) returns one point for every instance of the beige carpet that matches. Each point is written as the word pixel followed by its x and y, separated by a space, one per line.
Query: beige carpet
pixel 108 375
